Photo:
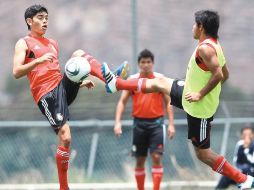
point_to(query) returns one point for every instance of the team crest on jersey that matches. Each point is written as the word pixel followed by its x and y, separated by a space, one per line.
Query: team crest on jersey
pixel 59 117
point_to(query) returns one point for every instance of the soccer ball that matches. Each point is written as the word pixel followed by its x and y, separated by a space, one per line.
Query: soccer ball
pixel 77 69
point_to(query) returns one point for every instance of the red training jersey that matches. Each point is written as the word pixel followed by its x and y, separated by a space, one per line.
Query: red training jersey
pixel 45 76
pixel 148 105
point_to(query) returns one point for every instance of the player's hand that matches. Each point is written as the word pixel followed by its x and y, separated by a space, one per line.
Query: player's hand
pixel 171 131
pixel 192 96
pixel 46 57
pixel 118 129
pixel 88 84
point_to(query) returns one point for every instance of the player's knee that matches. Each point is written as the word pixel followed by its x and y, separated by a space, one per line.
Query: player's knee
pixel 66 140
pixel 160 84
pixel 156 158
pixel 156 84
pixel 65 135
pixel 164 82
pixel 202 156
pixel 78 53
pixel 199 155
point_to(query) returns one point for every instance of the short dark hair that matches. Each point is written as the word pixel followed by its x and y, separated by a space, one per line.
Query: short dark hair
pixel 210 21
pixel 247 127
pixel 145 54
pixel 32 11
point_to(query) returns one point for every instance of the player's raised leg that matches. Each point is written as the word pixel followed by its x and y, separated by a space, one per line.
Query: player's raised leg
pixel 199 134
pixel 121 71
pixel 220 165
pixel 114 83
pixel 163 85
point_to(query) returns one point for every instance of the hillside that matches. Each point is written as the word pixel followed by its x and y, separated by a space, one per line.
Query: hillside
pixel 104 28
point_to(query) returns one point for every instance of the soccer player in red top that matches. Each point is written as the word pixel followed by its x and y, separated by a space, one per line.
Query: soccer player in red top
pixel 198 95
pixel 37 57
pixel 149 131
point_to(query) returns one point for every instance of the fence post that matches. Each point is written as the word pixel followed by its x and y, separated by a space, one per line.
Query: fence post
pixel 92 155
pixel 226 129
pixel 134 9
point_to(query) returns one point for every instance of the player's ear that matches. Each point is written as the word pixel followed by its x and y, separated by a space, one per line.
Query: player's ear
pixel 29 21
pixel 201 27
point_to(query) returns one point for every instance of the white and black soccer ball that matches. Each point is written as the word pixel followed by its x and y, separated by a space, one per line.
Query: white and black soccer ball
pixel 77 69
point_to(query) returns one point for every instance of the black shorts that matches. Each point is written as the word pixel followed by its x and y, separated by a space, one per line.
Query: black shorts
pixel 148 134
pixel 54 104
pixel 176 93
pixel 199 131
pixel 198 128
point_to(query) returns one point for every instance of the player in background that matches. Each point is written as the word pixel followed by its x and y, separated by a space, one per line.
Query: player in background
pixel 243 156
pixel 148 124
pixel 198 96
pixel 37 57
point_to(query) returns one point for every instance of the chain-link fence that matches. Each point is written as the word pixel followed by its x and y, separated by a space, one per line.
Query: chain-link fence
pixel 27 153
pixel 28 147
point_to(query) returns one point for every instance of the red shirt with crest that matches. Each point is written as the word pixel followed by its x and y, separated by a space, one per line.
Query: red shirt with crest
pixel 147 105
pixel 45 76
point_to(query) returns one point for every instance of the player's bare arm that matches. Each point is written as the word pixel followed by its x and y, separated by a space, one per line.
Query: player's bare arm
pixel 225 73
pixel 210 59
pixel 119 112
pixel 19 68
pixel 88 84
pixel 169 109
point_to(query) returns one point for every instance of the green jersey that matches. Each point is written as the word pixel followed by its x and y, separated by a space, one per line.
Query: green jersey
pixel 196 79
